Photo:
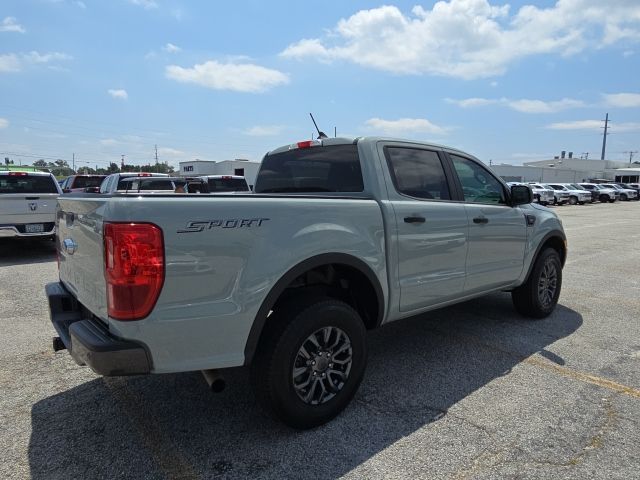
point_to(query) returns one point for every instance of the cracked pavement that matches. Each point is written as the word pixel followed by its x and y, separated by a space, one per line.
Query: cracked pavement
pixel 468 392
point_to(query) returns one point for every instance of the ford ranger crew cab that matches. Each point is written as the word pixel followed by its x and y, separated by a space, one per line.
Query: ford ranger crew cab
pixel 339 237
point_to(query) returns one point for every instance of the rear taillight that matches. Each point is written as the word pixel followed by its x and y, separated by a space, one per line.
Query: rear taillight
pixel 18 174
pixel 133 268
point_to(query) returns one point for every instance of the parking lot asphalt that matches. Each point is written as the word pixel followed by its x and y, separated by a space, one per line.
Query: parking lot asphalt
pixel 471 391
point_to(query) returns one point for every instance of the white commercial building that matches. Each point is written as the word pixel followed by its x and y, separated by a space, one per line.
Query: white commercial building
pixel 241 167
pixel 568 170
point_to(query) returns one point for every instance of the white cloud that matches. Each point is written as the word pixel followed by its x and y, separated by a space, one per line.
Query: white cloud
pixel 595 125
pixel 470 38
pixel 622 100
pixel 171 48
pixel 264 130
pixel 473 102
pixel 243 77
pixel 9 63
pixel 146 4
pixel 118 93
pixel 540 106
pixel 523 105
pixel 9 24
pixel 170 152
pixel 36 57
pixel 403 126
pixel 15 62
pixel 4 123
pixel 109 142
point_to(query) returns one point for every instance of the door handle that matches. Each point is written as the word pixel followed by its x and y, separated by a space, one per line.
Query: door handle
pixel 414 219
pixel 481 220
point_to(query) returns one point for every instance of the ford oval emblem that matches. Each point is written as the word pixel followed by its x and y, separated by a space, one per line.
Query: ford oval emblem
pixel 70 246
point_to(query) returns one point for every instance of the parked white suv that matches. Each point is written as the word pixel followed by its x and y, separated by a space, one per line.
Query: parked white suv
pixel 543 194
pixel 604 194
pixel 28 204
pixel 117 181
pixel 575 196
pixel 625 193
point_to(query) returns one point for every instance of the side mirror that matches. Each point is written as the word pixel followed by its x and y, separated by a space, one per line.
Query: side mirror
pixel 520 195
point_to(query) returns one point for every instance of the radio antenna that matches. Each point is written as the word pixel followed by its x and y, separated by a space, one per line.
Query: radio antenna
pixel 321 135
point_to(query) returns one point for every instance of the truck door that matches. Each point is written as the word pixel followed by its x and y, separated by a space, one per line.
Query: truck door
pixel 431 229
pixel 497 231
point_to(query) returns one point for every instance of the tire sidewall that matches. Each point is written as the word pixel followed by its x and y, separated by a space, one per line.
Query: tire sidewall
pixel 287 405
pixel 535 277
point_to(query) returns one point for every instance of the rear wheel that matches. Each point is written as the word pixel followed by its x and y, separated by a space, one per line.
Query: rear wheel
pixel 538 296
pixel 310 363
pixel 623 197
pixel 573 200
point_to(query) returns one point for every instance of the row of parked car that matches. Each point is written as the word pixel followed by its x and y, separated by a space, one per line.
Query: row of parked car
pixel 581 193
pixel 153 182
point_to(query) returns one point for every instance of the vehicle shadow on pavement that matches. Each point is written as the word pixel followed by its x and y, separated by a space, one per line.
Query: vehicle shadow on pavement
pixel 171 426
pixel 26 251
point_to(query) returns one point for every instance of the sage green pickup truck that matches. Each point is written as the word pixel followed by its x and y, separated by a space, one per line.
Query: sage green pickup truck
pixel 340 236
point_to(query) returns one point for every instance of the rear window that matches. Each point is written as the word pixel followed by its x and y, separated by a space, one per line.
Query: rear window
pixel 84 182
pixel 27 184
pixel 333 168
pixel 142 184
pixel 228 185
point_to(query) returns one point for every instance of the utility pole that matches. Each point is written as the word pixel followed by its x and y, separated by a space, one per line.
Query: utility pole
pixel 604 138
pixel 335 131
pixel 73 162
pixel 631 154
pixel 157 169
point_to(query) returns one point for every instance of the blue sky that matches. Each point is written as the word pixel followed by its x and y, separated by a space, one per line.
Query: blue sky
pixel 218 80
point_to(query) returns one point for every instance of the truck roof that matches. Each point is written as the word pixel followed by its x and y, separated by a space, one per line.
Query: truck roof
pixel 373 139
pixel 13 172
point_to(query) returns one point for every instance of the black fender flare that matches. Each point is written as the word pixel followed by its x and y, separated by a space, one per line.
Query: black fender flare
pixel 293 273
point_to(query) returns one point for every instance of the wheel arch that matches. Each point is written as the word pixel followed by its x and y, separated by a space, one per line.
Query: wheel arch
pixel 555 239
pixel 345 263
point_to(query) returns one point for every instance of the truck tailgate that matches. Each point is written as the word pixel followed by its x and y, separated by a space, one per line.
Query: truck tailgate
pixel 79 223
pixel 18 208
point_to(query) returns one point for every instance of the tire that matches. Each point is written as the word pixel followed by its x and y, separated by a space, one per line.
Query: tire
pixel 287 345
pixel 573 200
pixel 623 197
pixel 613 200
pixel 534 299
pixel 604 198
pixel 581 203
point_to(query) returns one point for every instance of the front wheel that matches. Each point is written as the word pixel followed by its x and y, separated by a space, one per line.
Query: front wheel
pixel 623 197
pixel 573 200
pixel 538 296
pixel 311 361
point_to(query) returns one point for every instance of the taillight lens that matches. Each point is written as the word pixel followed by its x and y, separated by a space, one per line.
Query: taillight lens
pixel 134 268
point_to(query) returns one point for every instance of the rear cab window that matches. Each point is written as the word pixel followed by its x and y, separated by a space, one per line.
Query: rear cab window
pixel 331 168
pixel 417 173
pixel 227 184
pixel 22 184
pixel 84 182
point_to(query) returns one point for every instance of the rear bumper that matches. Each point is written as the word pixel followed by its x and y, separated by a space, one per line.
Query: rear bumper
pixel 89 341
pixel 11 231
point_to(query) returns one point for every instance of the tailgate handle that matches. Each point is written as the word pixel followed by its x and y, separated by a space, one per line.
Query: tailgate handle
pixel 414 219
pixel 481 220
